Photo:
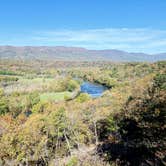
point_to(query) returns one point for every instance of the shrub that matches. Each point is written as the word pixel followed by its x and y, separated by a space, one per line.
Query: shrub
pixel 73 161
pixel 83 97
pixel 3 106
pixel 160 81
pixel 72 85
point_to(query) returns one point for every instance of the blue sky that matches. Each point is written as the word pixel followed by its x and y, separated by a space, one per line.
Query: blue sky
pixel 130 25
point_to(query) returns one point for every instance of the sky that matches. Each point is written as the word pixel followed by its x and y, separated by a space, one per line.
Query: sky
pixel 129 25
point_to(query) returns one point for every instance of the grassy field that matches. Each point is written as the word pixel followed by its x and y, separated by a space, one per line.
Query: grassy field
pixel 55 96
pixel 35 80
pixel 25 85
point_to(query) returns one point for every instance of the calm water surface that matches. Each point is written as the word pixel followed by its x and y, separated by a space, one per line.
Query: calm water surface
pixel 94 90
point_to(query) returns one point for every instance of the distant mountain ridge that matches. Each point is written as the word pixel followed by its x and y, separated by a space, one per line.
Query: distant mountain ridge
pixel 74 54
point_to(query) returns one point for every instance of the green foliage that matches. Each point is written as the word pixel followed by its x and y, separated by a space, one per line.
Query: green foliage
pixel 2 93
pixel 72 85
pixel 3 106
pixel 67 97
pixel 34 98
pixel 56 123
pixel 6 72
pixel 30 100
pixel 3 103
pixel 161 64
pixel 83 97
pixel 8 78
pixel 106 127
pixel 160 81
pixel 73 161
pixel 38 108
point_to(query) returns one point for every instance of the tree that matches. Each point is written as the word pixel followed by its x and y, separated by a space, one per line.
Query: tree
pixel 83 97
pixel 3 106
pixel 3 103
pixel 72 85
pixel 142 126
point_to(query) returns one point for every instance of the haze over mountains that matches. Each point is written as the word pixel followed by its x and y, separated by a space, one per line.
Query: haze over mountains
pixel 74 54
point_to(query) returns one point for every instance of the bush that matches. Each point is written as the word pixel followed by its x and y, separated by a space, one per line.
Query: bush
pixel 73 161
pixel 160 81
pixel 3 106
pixel 83 97
pixel 8 78
pixel 38 108
pixel 72 85
pixel 34 98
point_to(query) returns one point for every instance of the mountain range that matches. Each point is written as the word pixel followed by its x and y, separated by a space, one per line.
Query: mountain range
pixel 74 54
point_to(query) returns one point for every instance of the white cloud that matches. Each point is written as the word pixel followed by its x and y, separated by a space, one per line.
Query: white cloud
pixel 132 40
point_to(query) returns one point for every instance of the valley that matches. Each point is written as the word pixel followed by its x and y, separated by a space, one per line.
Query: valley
pixel 78 112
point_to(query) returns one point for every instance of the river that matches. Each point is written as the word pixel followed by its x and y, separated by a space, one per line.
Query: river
pixel 94 90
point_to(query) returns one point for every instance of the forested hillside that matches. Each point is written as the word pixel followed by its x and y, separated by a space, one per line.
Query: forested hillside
pixel 75 54
pixel 45 118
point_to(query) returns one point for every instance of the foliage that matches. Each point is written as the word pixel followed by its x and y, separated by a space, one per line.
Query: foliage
pixel 44 118
pixel 160 81
pixel 142 126
pixel 38 108
pixel 83 97
pixel 72 85
pixel 3 103
pixel 8 78
pixel 73 161
pixel 3 106
pixel 7 72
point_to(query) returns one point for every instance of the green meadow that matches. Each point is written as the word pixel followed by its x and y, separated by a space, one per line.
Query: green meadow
pixel 55 96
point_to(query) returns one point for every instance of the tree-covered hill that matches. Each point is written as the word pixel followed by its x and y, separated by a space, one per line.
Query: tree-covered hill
pixel 74 54
pixel 46 121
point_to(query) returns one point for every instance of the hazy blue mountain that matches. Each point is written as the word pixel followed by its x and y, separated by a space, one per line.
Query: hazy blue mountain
pixel 74 53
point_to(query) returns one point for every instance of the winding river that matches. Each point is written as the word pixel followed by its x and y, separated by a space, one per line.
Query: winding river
pixel 94 90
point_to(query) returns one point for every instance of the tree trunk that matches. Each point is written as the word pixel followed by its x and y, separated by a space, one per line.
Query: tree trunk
pixel 68 144
pixel 95 128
